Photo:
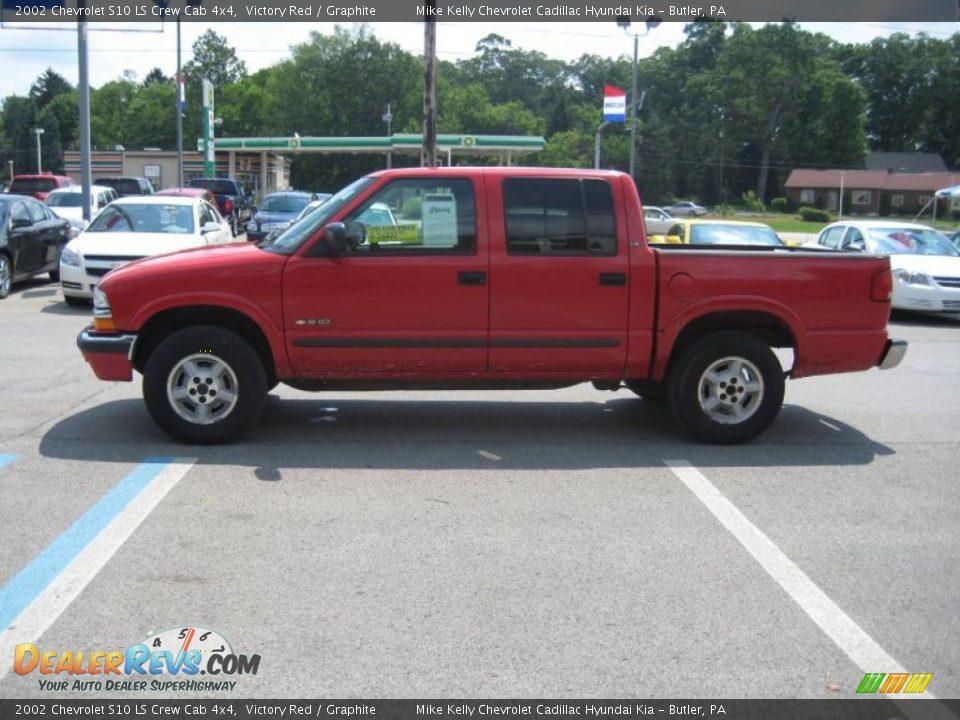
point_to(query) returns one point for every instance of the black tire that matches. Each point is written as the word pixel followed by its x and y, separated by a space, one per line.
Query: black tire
pixel 705 405
pixel 234 224
pixel 55 276
pixel 650 390
pixel 224 363
pixel 76 301
pixel 6 275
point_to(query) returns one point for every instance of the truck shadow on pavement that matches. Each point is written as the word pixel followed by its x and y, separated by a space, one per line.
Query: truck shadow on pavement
pixel 459 434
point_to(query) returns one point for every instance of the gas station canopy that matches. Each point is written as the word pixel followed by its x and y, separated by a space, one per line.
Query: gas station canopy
pixel 504 147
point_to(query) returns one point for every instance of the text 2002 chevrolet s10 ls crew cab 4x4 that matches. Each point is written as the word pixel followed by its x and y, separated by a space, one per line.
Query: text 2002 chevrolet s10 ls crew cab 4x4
pixel 485 278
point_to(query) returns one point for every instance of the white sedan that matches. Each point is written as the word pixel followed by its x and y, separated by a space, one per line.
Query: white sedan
pixel 132 228
pixel 925 265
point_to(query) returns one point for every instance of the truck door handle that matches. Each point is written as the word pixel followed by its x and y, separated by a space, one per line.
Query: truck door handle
pixel 608 278
pixel 472 277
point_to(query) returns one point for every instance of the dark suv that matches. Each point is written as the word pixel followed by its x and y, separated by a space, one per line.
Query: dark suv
pixel 126 186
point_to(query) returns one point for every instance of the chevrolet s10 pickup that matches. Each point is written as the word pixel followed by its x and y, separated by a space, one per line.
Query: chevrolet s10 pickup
pixel 512 278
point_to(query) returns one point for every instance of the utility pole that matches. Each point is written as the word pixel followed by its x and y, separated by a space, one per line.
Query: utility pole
pixel 428 157
pixel 86 172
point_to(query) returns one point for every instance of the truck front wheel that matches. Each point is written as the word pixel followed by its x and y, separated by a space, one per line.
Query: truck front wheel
pixel 204 385
pixel 726 388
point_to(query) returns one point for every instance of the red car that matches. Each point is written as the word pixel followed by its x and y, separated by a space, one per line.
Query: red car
pixel 487 278
pixel 38 186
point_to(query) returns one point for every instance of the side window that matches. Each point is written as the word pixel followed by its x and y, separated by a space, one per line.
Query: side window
pixel 559 217
pixel 205 215
pixel 831 237
pixel 853 239
pixel 19 212
pixel 36 212
pixel 418 215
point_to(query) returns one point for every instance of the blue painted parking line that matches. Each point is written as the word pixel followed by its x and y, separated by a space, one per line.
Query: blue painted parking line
pixel 27 585
pixel 6 459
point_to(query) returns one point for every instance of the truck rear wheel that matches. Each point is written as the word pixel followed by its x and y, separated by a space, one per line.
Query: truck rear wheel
pixel 204 385
pixel 726 388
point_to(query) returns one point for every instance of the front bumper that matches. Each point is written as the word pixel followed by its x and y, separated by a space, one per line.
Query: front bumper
pixel 110 355
pixel 75 282
pixel 893 353
pixel 925 298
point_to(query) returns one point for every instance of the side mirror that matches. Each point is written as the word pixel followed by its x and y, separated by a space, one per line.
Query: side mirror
pixel 335 238
pixel 855 246
pixel 211 227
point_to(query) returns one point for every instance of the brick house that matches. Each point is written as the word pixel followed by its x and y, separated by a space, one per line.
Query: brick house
pixel 868 192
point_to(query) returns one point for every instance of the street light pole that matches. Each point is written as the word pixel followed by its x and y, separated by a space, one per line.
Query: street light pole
pixel 180 103
pixel 39 132
pixel 624 22
pixel 388 119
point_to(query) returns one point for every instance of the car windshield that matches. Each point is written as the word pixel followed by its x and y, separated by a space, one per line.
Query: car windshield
pixel 909 241
pixel 288 204
pixel 153 218
pixel 732 235
pixel 294 236
pixel 32 185
pixel 66 199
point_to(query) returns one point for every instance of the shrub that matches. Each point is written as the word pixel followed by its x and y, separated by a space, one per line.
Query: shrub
pixel 752 203
pixel 779 204
pixel 811 214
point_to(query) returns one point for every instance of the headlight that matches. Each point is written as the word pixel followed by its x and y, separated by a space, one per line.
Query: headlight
pixel 911 278
pixel 69 256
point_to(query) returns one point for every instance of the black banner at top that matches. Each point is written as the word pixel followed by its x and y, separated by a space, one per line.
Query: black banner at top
pixel 345 11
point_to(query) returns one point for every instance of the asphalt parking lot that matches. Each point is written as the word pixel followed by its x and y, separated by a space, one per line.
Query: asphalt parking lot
pixel 540 544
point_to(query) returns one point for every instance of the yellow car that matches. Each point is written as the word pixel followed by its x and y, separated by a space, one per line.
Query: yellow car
pixel 717 232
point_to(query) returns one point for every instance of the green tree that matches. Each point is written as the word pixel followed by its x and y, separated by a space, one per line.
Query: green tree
pixel 47 87
pixel 215 60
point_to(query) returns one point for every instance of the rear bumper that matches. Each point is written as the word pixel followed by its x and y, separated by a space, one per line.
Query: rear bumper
pixel 892 354
pixel 108 354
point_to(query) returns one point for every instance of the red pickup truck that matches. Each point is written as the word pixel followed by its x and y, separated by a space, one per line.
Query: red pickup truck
pixel 505 278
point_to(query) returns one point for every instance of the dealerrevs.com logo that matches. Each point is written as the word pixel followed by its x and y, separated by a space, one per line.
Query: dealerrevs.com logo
pixel 172 660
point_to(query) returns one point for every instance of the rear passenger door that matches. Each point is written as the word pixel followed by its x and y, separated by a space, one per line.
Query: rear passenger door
pixel 559 277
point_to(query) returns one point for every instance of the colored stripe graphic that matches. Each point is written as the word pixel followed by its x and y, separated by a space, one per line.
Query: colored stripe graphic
pixel 918 682
pixel 895 683
pixel 871 682
pixel 6 459
pixel 36 596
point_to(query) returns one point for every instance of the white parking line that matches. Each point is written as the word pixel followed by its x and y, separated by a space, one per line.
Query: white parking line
pixel 838 626
pixel 32 601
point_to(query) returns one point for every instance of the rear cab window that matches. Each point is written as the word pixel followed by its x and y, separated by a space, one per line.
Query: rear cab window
pixel 559 217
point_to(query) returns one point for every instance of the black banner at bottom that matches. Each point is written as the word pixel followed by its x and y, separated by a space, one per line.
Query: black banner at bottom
pixel 124 709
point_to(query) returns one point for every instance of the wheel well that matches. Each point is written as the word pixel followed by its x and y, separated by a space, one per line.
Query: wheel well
pixel 765 327
pixel 164 323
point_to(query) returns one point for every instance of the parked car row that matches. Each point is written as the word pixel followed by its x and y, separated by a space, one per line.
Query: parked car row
pixel 924 262
pixel 31 237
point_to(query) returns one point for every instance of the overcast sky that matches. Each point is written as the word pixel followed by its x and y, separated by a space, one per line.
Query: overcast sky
pixel 25 53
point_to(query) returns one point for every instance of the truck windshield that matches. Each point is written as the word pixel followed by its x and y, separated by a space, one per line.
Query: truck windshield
pixel 294 236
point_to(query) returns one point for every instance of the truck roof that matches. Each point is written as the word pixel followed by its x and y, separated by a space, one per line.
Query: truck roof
pixel 500 171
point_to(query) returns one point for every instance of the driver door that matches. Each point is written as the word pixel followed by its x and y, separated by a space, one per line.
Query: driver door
pixel 410 298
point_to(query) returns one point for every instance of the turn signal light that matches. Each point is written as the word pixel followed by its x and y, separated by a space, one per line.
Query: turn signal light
pixel 104 324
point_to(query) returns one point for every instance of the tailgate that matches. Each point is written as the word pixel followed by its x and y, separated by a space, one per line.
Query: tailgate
pixel 822 298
